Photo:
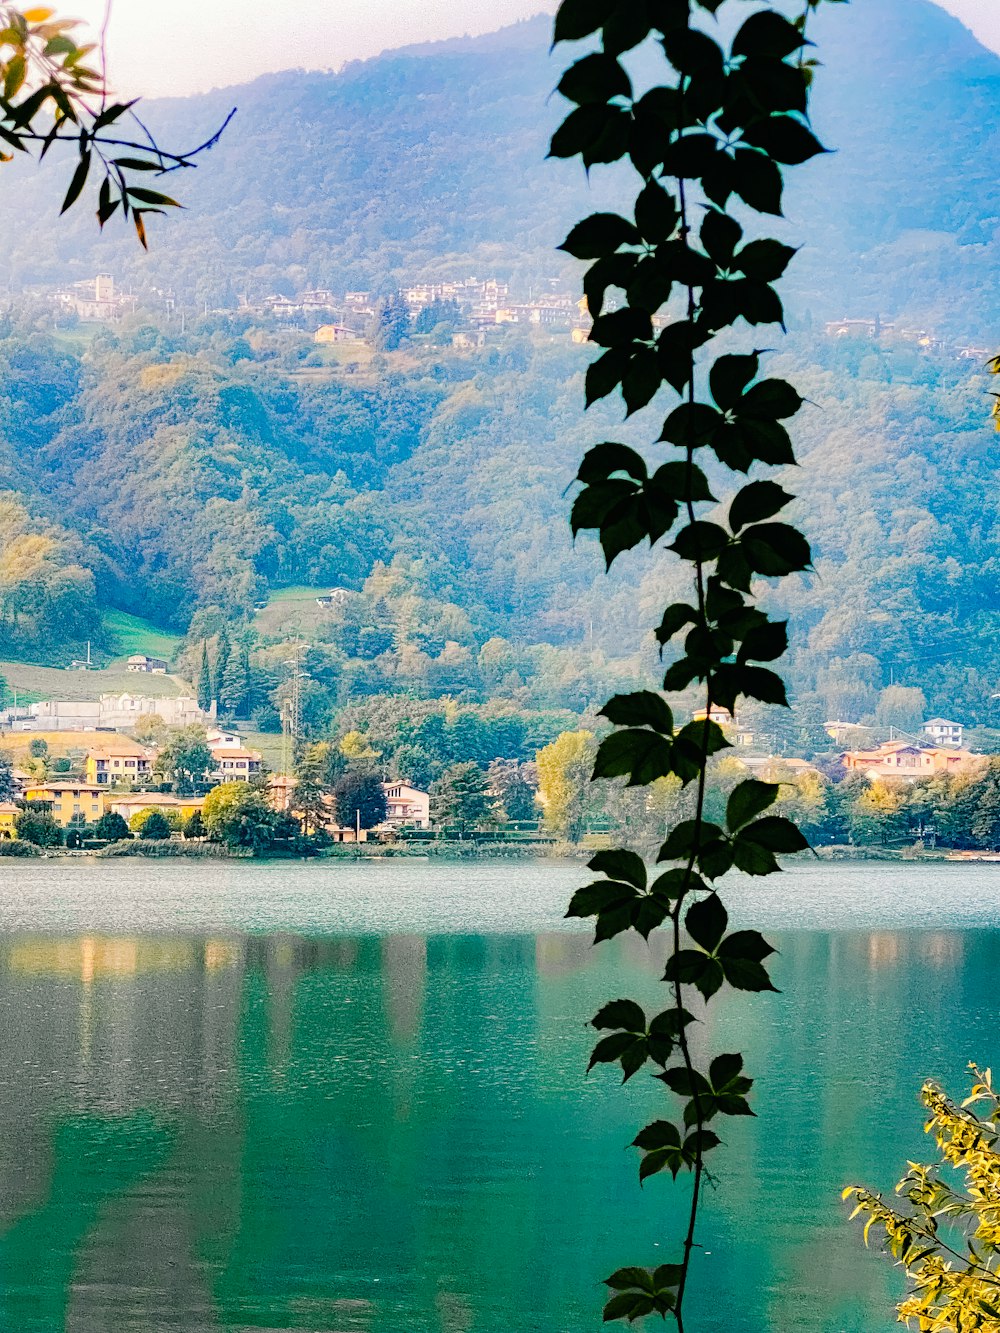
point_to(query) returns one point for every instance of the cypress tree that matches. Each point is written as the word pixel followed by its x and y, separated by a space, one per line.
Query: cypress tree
pixel 204 680
pixel 222 654
pixel 232 690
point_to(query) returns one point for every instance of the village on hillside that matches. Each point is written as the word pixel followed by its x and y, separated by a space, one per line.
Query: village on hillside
pixel 466 313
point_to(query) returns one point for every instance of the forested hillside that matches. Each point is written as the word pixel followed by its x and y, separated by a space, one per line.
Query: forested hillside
pixel 179 477
pixel 190 471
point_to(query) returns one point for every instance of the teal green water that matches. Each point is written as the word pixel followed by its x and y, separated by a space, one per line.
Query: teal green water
pixel 352 1097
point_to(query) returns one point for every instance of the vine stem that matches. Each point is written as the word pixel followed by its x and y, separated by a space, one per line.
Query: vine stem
pixel 682 1041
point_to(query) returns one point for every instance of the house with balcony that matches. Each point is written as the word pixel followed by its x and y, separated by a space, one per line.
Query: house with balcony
pixel 905 761
pixel 234 764
pixel 406 806
pixel 119 762
pixel 943 732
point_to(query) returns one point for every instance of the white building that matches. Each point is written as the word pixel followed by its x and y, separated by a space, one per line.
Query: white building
pixel 406 806
pixel 111 712
pixel 140 662
pixel 943 732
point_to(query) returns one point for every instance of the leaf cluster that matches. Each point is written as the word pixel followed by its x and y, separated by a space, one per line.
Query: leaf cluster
pixel 53 93
pixel 947 1239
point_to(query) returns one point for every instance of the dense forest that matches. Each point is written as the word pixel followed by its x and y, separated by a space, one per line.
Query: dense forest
pixel 186 476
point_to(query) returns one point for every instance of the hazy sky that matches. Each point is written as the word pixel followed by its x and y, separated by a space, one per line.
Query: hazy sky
pixel 182 46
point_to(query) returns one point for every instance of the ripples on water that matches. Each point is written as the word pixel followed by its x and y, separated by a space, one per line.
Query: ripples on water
pixel 351 1097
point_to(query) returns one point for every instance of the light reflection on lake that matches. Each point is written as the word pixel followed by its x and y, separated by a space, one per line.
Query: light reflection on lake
pixel 223 1108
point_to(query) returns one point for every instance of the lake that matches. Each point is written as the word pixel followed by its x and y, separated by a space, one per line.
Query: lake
pixel 351 1097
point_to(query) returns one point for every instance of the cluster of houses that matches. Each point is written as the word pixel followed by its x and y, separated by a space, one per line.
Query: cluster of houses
pixel 484 303
pixel 879 330
pixel 937 749
pixel 118 775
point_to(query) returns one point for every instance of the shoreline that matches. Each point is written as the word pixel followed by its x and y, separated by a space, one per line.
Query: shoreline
pixel 460 850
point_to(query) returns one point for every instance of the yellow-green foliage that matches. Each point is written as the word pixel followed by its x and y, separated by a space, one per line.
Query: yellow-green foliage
pixel 948 1239
pixel 564 769
pixel 222 803
pixel 173 817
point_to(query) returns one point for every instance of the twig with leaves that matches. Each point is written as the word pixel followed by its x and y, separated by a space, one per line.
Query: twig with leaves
pixel 948 1242
pixel 53 95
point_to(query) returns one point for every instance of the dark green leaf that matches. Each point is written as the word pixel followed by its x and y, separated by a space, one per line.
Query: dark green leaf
pixel 767 34
pixel 775 549
pixel 616 270
pixel 706 922
pixel 746 974
pixel 766 643
pixel 595 78
pixel 656 213
pixel 730 376
pixel 684 839
pixel 630 1277
pixel 749 799
pixel 628 1305
pixel 77 182
pixel 692 425
pixel 620 864
pixel 642 379
pixel 756 501
pixel 784 138
pixel 720 235
pixel 604 459
pixel 764 260
pixel 152 197
pixel 599 235
pixel 674 619
pixel 579 18
pixel 605 374
pixel 601 896
pixel 642 709
pixel 757 180
pixel 700 541
pixel 618 328
pixel 770 400
pixel 625 1014
pixel 776 834
pixel 641 756
pixel 610 1049
pixel 744 946
pixel 660 1134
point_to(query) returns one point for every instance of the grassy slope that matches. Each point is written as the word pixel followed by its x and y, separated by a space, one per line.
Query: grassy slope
pixel 267 743
pixel 291 612
pixel 39 682
pixel 139 636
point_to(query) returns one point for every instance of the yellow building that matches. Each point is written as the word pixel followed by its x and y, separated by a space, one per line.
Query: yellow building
pixel 8 813
pixel 118 760
pixel 71 802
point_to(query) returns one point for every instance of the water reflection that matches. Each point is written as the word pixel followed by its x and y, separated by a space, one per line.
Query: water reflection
pixel 276 1133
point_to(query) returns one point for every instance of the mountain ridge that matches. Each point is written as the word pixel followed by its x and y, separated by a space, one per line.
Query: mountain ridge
pixel 432 158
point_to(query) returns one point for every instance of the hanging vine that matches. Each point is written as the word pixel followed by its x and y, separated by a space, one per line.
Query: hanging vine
pixel 710 143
